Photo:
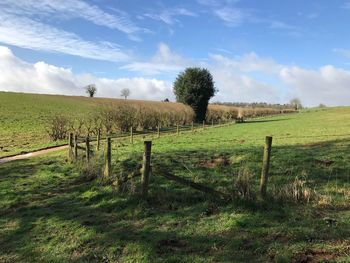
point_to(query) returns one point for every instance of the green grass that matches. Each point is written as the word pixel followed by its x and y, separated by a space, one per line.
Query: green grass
pixel 52 212
pixel 24 119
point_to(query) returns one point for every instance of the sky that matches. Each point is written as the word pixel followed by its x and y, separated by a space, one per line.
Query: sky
pixel 257 51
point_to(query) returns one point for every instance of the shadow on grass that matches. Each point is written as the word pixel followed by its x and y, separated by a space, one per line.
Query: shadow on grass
pixel 57 215
pixel 264 121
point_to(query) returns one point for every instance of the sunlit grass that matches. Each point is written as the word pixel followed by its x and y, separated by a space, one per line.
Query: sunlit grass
pixel 50 212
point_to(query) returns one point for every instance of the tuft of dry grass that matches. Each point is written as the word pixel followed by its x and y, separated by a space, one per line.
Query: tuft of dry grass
pixel 296 191
pixel 243 184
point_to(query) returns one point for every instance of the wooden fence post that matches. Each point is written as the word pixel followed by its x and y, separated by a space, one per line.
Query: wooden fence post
pixel 98 139
pixel 158 131
pixel 212 123
pixel 75 147
pixel 203 125
pixel 192 129
pixel 219 122
pixel 70 145
pixel 87 148
pixel 108 165
pixel 132 135
pixel 177 129
pixel 266 166
pixel 146 168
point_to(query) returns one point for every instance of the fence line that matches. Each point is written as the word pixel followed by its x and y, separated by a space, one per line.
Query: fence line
pixel 146 167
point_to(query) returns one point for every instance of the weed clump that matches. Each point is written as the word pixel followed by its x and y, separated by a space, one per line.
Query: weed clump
pixel 297 191
pixel 243 184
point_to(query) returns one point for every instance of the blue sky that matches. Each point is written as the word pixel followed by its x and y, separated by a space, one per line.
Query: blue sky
pixel 256 50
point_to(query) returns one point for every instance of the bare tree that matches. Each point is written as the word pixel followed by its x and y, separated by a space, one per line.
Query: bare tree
pixel 296 103
pixel 91 90
pixel 125 93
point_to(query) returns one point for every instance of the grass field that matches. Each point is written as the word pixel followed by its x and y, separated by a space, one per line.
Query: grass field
pixel 24 117
pixel 53 211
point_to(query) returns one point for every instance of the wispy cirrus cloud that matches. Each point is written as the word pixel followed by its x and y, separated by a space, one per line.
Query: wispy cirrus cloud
pixel 234 16
pixel 346 4
pixel 342 51
pixel 67 9
pixel 169 16
pixel 27 33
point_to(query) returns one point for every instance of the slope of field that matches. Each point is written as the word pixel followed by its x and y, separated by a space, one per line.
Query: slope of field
pixel 53 211
pixel 24 117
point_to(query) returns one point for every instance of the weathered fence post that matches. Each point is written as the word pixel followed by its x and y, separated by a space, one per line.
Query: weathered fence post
pixel 98 139
pixel 108 165
pixel 132 135
pixel 75 147
pixel 266 166
pixel 192 129
pixel 70 147
pixel 177 129
pixel 219 122
pixel 212 123
pixel 158 131
pixel 146 168
pixel 203 125
pixel 87 148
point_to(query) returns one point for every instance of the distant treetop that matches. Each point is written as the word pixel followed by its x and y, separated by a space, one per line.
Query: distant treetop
pixel 91 90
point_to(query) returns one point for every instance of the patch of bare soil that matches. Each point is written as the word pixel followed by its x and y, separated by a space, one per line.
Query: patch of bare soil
pixel 32 154
pixel 172 245
pixel 314 256
pixel 325 163
pixel 215 162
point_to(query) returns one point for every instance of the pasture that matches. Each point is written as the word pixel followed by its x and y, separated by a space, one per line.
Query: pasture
pixel 25 119
pixel 56 211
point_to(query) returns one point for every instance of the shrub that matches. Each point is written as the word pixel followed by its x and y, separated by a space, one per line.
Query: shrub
pixel 143 116
pixel 58 127
pixel 124 117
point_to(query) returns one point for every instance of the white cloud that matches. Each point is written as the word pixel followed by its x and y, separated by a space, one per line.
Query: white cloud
pixel 20 76
pixel 27 33
pixel 327 85
pixel 216 2
pixel 164 61
pixel 67 9
pixel 235 79
pixel 343 52
pixel 242 88
pixel 250 62
pixel 234 84
pixel 231 16
pixel 168 16
pixel 346 5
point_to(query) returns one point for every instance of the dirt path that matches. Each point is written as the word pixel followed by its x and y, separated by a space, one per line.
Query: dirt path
pixel 32 154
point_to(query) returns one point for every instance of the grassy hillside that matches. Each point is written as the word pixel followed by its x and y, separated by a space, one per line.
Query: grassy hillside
pixel 53 211
pixel 24 117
